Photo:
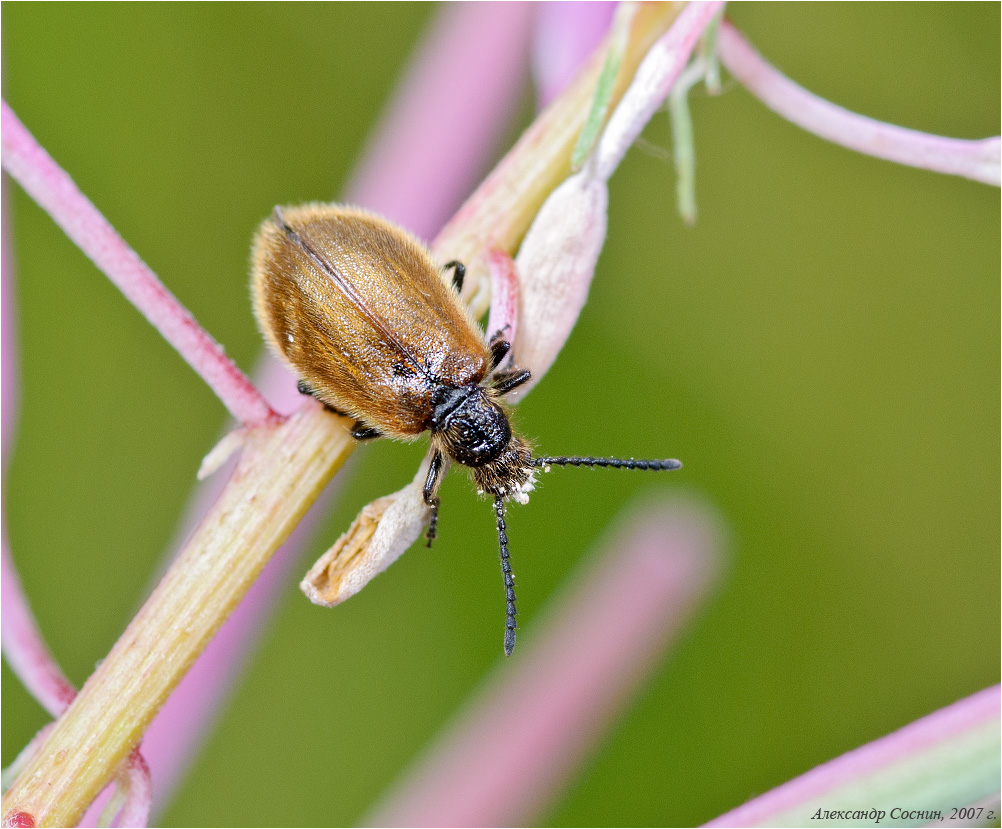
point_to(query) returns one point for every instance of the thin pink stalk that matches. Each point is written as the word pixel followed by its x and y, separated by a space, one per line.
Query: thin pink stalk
pixel 651 84
pixel 139 792
pixel 32 661
pixel 49 185
pixel 130 795
pixel 23 646
pixel 20 637
pixel 9 393
pixel 940 727
pixel 566 34
pixel 418 190
pixel 22 643
pixel 979 160
pixel 503 314
pixel 536 721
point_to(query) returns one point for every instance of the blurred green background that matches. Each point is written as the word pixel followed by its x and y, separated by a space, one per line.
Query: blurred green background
pixel 822 350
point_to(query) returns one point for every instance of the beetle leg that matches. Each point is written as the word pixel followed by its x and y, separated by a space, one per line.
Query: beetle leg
pixel 499 335
pixel 499 350
pixel 458 273
pixel 430 490
pixel 504 381
pixel 362 432
pixel 304 388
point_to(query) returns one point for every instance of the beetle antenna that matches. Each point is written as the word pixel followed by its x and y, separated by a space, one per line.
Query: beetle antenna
pixel 614 463
pixel 509 579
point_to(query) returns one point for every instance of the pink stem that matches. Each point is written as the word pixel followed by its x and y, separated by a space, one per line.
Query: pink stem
pixel 856 765
pixel 566 34
pixel 442 122
pixel 30 659
pixel 503 314
pixel 534 724
pixel 49 185
pixel 139 792
pixel 20 638
pixel 23 646
pixel 978 160
pixel 9 393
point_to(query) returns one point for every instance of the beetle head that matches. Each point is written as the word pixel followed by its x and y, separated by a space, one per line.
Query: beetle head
pixel 474 430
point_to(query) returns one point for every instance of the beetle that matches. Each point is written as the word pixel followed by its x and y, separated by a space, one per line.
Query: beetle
pixel 375 330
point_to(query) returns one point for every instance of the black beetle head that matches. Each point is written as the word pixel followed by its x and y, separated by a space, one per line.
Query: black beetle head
pixel 476 431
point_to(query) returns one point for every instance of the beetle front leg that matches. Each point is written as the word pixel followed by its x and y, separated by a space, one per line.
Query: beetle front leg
pixel 305 388
pixel 430 492
pixel 499 346
pixel 458 273
pixel 508 378
pixel 362 431
pixel 504 381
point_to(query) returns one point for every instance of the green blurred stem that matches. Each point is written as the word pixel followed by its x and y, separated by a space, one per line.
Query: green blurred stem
pixel 683 141
pixel 603 89
pixel 708 54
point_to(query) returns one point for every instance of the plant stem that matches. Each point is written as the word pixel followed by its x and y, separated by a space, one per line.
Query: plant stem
pixel 980 160
pixel 282 470
pixel 946 759
pixel 25 649
pixel 51 187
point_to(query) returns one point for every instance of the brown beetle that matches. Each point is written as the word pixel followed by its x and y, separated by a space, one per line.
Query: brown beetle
pixel 376 331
